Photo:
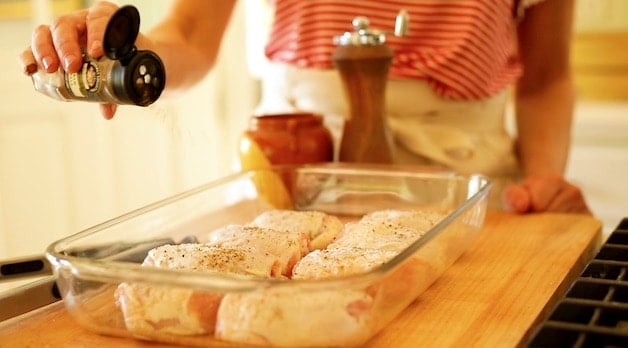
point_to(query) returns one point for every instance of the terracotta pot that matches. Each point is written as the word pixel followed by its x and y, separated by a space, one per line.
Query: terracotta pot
pixel 291 138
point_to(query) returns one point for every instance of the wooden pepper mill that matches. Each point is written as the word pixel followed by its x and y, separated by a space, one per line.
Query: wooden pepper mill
pixel 363 60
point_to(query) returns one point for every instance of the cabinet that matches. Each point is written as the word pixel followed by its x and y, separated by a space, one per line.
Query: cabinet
pixel 600 49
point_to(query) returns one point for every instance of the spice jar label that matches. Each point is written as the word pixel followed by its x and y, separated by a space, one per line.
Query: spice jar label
pixel 86 80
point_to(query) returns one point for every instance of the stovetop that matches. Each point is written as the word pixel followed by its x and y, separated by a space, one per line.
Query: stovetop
pixel 594 311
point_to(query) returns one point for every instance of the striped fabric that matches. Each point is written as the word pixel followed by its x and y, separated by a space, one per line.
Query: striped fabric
pixel 465 49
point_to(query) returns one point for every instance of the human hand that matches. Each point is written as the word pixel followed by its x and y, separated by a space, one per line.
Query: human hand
pixel 61 44
pixel 544 193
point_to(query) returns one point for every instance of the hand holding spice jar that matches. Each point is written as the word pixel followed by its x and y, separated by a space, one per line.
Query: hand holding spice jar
pixel 125 75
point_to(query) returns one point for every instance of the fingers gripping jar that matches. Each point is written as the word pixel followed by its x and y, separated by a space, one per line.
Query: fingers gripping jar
pixel 124 75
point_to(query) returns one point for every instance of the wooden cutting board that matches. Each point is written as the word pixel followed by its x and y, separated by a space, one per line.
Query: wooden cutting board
pixel 493 296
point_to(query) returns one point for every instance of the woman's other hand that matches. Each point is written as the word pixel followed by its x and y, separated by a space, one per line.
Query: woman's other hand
pixel 545 193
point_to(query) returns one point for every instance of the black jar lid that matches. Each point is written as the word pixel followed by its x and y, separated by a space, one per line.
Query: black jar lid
pixel 121 33
pixel 141 80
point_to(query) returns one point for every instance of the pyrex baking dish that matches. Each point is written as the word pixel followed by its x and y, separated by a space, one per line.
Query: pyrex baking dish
pixel 92 264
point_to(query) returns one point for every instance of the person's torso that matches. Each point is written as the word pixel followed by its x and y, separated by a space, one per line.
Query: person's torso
pixel 465 49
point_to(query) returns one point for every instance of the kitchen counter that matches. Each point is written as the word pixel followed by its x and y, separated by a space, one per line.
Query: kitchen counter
pixel 493 296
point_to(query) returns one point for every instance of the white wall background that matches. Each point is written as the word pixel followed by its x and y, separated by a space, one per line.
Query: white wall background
pixel 601 15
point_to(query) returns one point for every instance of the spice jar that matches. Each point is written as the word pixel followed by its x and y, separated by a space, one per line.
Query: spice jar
pixel 124 75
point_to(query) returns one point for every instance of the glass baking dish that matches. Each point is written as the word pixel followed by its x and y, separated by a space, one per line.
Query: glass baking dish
pixel 91 265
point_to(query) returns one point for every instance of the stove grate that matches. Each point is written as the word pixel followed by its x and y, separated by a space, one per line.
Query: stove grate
pixel 594 311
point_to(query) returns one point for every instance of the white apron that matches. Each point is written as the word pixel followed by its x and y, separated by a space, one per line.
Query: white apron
pixel 465 136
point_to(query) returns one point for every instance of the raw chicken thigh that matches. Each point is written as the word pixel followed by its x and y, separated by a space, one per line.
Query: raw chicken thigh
pixel 299 247
pixel 289 316
pixel 148 309
pixel 234 249
pixel 286 247
pixel 337 262
pixel 392 230
pixel 320 227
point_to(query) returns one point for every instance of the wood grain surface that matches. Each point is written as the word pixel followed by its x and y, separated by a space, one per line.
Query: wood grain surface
pixel 493 296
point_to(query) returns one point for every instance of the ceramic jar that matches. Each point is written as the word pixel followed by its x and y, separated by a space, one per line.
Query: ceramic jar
pixel 290 138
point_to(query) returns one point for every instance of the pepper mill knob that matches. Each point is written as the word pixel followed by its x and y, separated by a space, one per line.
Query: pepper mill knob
pixel 360 23
pixel 362 35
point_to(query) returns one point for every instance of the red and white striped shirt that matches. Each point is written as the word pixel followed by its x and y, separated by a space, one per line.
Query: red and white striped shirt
pixel 465 49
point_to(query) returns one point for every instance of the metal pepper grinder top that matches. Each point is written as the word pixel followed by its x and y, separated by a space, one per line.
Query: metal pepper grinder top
pixel 363 60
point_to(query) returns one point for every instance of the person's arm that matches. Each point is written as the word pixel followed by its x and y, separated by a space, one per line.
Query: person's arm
pixel 544 111
pixel 187 40
pixel 544 93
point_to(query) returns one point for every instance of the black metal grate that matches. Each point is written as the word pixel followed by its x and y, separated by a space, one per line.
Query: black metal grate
pixel 594 311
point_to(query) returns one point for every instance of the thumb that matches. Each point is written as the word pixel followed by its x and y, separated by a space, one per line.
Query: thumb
pixel 516 198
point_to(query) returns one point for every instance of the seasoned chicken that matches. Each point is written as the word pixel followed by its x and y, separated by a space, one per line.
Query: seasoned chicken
pixel 290 316
pixel 150 309
pixel 224 259
pixel 320 227
pixel 392 230
pixel 303 246
pixel 336 262
pixel 421 220
pixel 287 247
